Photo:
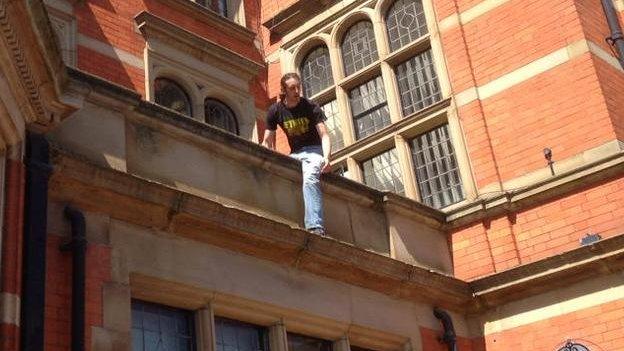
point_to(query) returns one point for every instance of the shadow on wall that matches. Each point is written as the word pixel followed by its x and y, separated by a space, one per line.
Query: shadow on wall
pixel 103 25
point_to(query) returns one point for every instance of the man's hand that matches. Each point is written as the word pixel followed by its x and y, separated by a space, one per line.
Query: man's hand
pixel 326 168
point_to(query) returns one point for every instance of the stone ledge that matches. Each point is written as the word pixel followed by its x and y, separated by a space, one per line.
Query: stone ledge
pixel 150 204
pixel 601 258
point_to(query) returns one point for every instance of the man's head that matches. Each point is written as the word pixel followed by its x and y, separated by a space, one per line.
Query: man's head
pixel 290 85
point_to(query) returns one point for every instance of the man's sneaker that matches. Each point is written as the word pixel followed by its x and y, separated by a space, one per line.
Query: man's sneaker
pixel 317 231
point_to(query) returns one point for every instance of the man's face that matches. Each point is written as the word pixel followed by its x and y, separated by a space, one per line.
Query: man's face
pixel 293 89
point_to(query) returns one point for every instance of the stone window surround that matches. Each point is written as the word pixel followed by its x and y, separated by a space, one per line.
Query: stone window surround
pixel 278 320
pixel 64 23
pixel 356 151
pixel 235 10
pixel 204 69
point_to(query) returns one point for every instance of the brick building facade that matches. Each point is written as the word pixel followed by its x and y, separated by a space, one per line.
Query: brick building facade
pixel 132 127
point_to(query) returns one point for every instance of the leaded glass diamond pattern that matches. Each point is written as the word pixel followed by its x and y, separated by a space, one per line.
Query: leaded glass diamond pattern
pixel 405 22
pixel 358 47
pixel 333 124
pixel 316 71
pixel 161 328
pixel 418 83
pixel 369 107
pixel 382 172
pixel 436 168
pixel 220 115
pixel 232 335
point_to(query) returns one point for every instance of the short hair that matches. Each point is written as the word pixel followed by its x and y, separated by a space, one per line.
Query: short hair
pixel 286 77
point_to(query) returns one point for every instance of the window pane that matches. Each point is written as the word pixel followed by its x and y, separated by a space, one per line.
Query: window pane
pixel 298 342
pixel 358 47
pixel 316 71
pixel 418 83
pixel 170 94
pixel 369 107
pixel 156 327
pixel 436 168
pixel 233 335
pixel 382 172
pixel 333 124
pixel 220 115
pixel 405 23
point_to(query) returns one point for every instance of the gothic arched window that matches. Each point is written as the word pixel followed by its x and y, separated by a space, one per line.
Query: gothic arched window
pixel 358 47
pixel 405 22
pixel 170 94
pixel 220 115
pixel 316 71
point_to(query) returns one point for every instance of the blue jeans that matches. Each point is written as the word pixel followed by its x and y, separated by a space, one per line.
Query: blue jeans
pixel 311 158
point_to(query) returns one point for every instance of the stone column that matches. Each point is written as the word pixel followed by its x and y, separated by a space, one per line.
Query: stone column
pixel 205 328
pixel 277 337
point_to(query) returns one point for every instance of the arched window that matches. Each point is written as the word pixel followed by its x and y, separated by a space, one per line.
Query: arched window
pixel 358 47
pixel 405 22
pixel 316 71
pixel 170 94
pixel 220 115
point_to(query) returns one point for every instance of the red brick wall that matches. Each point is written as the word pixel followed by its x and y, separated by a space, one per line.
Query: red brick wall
pixel 539 232
pixel 599 328
pixel 12 232
pixel 58 292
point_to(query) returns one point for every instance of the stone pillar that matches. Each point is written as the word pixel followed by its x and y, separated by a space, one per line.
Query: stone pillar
pixel 277 337
pixel 204 321
pixel 406 163
pixel 341 344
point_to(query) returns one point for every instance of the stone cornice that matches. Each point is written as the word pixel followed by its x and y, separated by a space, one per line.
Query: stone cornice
pixel 588 262
pixel 32 63
pixel 295 14
pixel 211 18
pixel 155 28
pixel 142 202
pixel 510 202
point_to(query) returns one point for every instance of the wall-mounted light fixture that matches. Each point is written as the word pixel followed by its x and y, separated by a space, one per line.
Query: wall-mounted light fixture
pixel 548 157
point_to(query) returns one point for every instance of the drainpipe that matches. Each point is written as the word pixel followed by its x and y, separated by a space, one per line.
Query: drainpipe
pixel 38 171
pixel 78 246
pixel 616 39
pixel 449 337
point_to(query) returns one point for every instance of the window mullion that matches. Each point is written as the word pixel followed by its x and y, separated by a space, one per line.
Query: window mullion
pixel 405 162
pixel 204 322
pixel 392 92
pixel 344 114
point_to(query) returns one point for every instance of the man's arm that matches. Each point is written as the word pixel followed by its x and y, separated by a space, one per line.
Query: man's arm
pixel 269 139
pixel 326 143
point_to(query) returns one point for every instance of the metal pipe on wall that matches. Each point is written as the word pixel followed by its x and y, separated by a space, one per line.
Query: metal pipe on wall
pixel 617 38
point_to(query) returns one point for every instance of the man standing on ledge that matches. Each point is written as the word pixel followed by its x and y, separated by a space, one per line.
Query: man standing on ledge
pixel 303 121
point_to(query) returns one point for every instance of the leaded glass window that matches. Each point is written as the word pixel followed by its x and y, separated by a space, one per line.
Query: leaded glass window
pixel 233 335
pixel 333 124
pixel 316 71
pixel 220 115
pixel 358 47
pixel 418 83
pixel 369 107
pixel 383 172
pixel 298 342
pixel 405 22
pixel 170 94
pixel 436 168
pixel 218 6
pixel 157 327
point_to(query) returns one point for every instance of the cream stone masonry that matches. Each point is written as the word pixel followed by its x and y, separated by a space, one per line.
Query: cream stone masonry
pixel 619 5
pixel 535 68
pixel 110 51
pixel 200 67
pixel 472 13
pixel 578 297
pixel 10 309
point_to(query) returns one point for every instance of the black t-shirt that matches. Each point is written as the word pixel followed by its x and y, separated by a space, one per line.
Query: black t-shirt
pixel 299 122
